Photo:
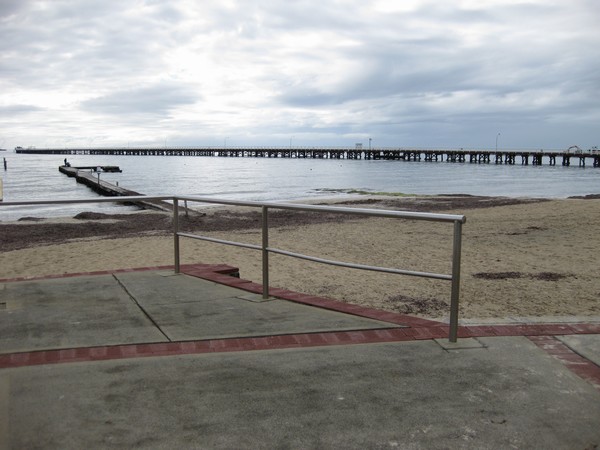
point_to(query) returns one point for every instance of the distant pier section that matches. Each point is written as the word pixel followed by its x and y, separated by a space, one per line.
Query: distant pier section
pixel 572 156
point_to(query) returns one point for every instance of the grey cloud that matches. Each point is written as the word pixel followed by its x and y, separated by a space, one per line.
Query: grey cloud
pixel 151 100
pixel 386 77
pixel 10 7
pixel 439 63
pixel 74 41
pixel 14 110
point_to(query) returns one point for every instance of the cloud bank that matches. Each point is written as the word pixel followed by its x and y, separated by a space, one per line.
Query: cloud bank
pixel 411 73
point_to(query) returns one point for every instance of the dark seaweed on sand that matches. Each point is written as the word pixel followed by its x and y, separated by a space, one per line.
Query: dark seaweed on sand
pixel 33 231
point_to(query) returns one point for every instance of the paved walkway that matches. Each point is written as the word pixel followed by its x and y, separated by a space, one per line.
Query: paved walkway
pixel 150 359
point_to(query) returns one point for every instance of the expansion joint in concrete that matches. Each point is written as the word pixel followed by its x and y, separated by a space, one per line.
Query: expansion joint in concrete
pixel 146 314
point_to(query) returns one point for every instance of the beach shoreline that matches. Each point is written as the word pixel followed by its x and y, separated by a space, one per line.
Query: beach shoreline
pixel 521 257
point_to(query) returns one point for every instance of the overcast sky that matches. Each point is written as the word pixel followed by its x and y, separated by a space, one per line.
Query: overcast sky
pixel 301 72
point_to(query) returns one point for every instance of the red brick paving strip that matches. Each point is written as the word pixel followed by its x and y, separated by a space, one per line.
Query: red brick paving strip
pixel 127 351
pixel 582 367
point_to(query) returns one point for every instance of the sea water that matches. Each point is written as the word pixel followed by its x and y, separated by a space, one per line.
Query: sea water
pixel 35 177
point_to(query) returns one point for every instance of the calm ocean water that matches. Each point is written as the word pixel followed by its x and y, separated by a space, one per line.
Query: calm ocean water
pixel 32 177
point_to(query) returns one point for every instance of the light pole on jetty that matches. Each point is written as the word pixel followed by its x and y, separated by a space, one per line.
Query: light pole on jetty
pixel 497 136
pixel 369 143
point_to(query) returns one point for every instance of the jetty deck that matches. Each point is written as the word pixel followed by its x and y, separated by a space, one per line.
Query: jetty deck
pixel 507 157
pixel 89 176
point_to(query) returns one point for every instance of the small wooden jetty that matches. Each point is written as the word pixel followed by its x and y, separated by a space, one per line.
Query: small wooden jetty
pixel 97 168
pixel 90 176
pixel 507 157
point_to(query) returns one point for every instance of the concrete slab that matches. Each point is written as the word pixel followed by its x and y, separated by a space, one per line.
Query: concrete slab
pixel 587 345
pixel 233 317
pixel 151 306
pixel 70 312
pixel 394 395
pixel 484 392
pixel 188 308
pixel 154 288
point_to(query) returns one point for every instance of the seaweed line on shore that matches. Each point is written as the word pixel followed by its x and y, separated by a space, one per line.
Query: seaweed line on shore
pixel 32 231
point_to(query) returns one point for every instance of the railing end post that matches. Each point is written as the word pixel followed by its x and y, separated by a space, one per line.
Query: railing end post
pixel 176 264
pixel 265 251
pixel 455 292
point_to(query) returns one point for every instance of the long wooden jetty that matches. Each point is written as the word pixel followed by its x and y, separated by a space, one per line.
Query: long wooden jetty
pixel 509 157
pixel 90 176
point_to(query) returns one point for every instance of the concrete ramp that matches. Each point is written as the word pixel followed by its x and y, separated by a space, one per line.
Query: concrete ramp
pixel 148 307
pixel 150 359
pixel 70 312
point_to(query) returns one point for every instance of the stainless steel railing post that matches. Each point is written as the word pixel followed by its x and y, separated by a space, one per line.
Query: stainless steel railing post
pixel 176 233
pixel 265 251
pixel 455 290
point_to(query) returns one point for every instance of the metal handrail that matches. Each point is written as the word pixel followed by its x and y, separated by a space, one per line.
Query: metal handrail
pixel 457 220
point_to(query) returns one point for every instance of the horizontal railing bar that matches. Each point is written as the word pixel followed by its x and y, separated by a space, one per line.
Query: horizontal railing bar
pixel 220 241
pixel 372 212
pixel 437 276
pixel 290 206
pixel 336 209
pixel 361 266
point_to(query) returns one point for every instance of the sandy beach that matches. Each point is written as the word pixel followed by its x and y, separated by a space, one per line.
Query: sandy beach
pixel 520 257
